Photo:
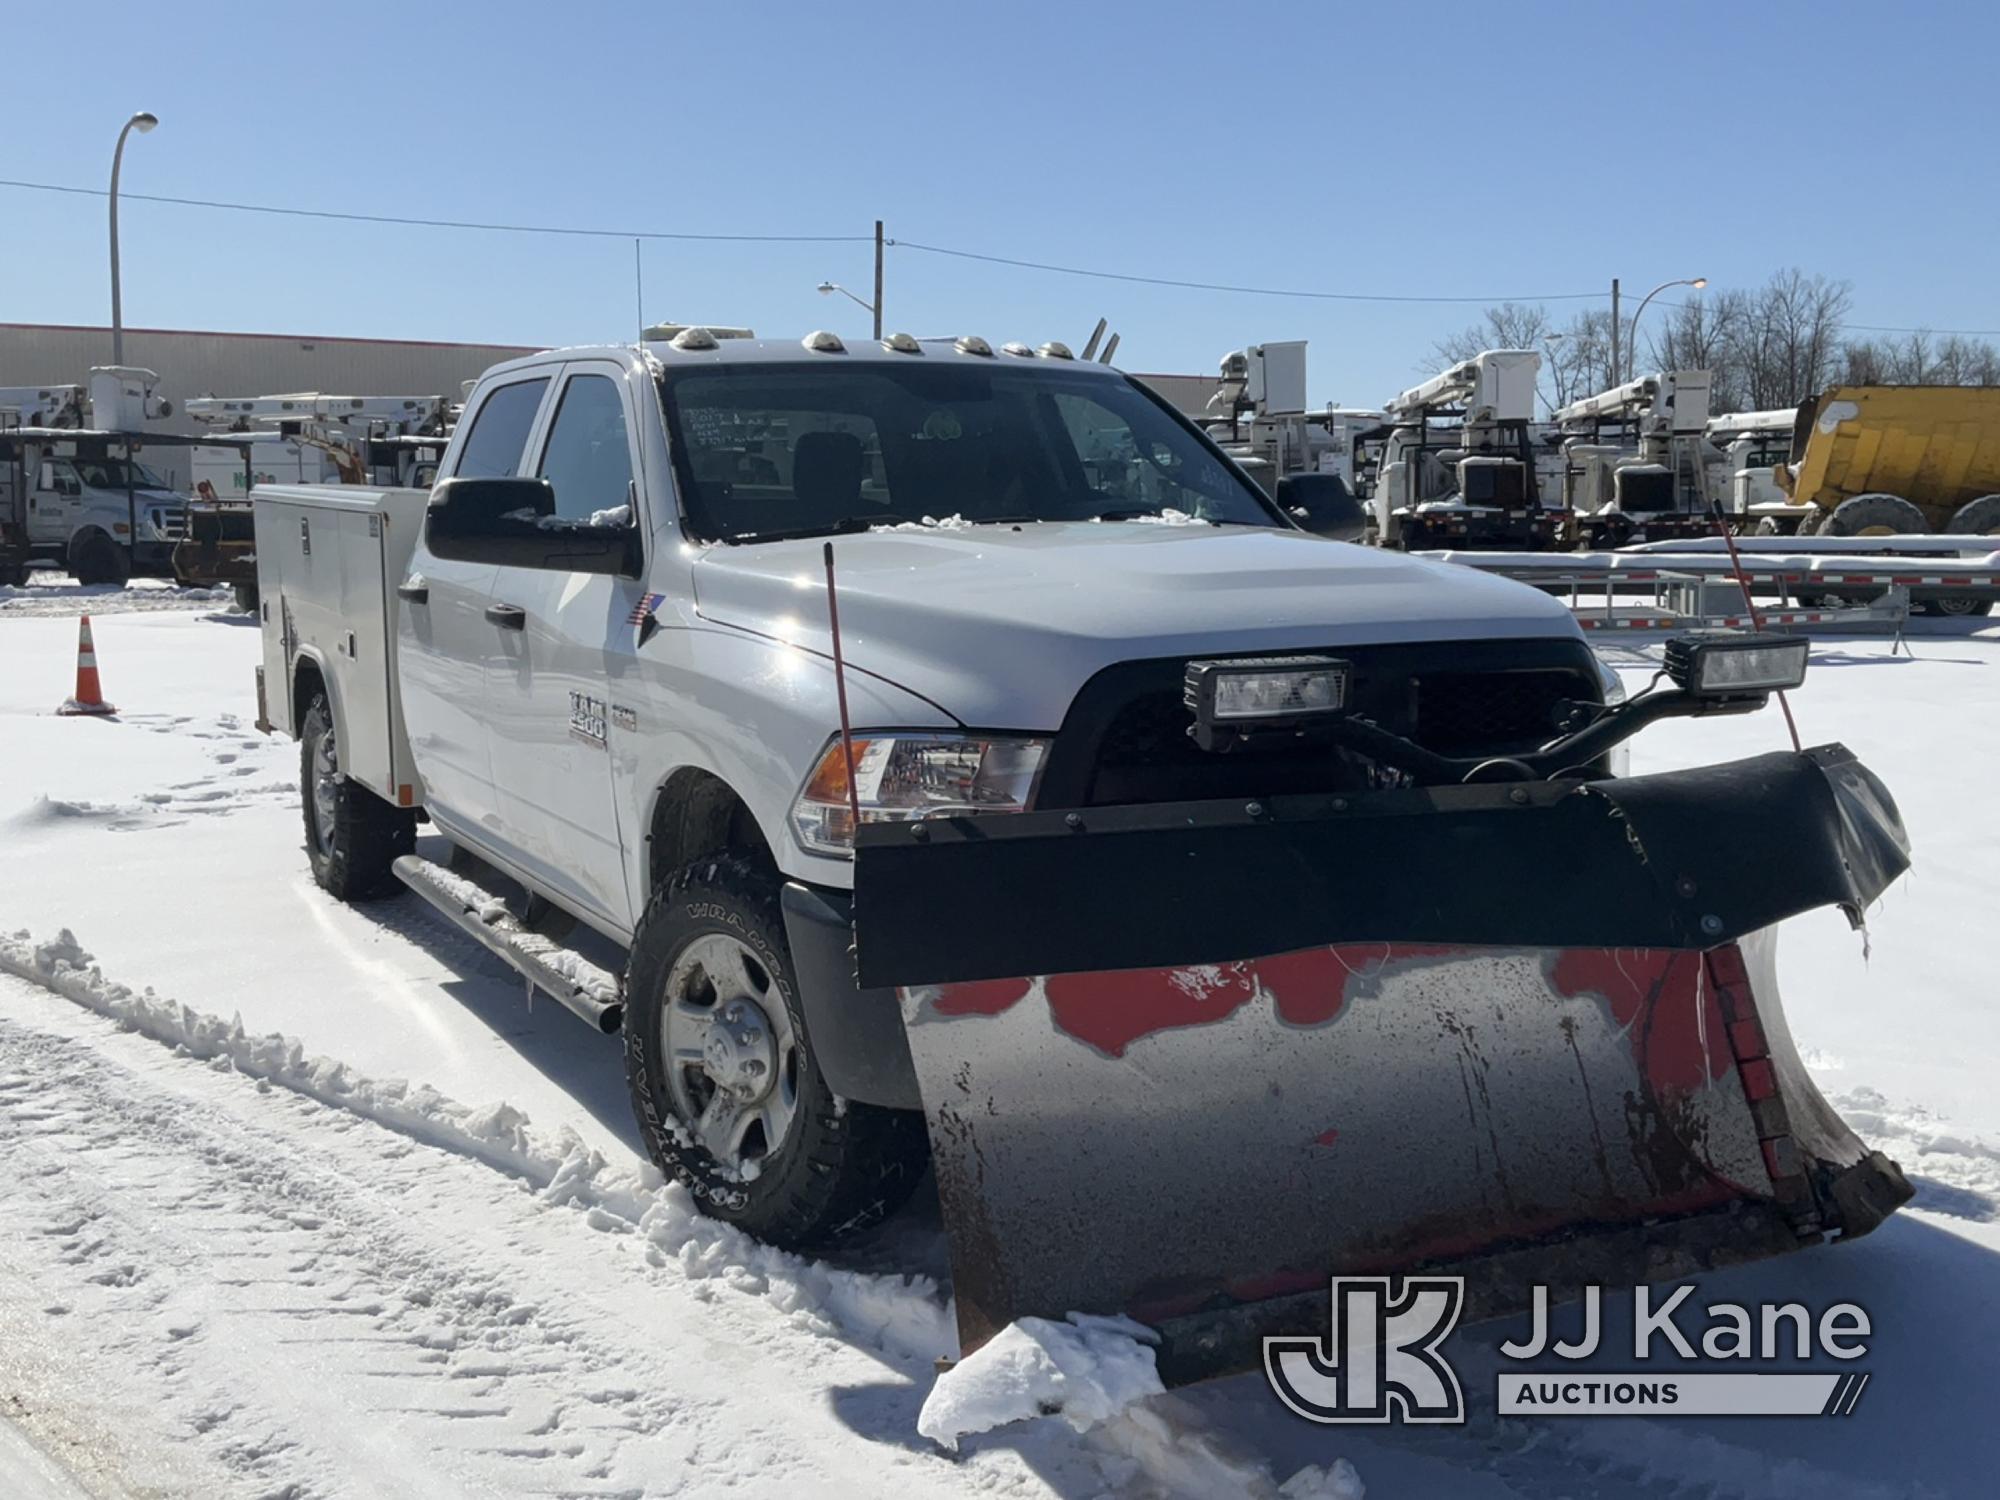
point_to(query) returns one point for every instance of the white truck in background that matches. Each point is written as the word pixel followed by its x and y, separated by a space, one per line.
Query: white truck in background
pixel 1637 461
pixel 1749 446
pixel 1458 466
pixel 72 483
pixel 889 739
pixel 1304 458
pixel 302 438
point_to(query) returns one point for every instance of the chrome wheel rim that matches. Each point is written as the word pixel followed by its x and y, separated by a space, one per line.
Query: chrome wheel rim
pixel 732 1056
pixel 325 789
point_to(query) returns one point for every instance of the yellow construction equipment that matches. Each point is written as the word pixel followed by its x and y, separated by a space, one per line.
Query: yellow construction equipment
pixel 1881 460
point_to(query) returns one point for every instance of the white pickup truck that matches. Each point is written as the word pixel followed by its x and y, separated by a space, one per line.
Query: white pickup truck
pixel 598 659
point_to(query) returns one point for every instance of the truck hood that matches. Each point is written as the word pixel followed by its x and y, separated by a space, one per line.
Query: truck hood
pixel 1000 625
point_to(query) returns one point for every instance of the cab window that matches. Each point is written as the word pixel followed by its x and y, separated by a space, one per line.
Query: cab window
pixel 498 440
pixel 587 461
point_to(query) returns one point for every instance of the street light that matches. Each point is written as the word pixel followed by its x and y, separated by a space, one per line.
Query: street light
pixel 1632 355
pixel 142 122
pixel 828 288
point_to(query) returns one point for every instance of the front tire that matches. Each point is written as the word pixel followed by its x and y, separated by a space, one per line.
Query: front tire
pixel 728 1094
pixel 1874 514
pixel 353 837
pixel 95 559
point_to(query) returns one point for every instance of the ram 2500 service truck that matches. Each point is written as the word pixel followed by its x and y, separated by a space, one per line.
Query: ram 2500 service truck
pixel 1212 905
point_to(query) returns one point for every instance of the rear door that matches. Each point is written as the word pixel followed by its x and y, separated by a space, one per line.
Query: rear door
pixel 447 643
pixel 550 705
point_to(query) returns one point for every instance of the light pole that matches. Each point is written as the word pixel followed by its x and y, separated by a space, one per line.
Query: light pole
pixel 1632 354
pixel 828 288
pixel 142 122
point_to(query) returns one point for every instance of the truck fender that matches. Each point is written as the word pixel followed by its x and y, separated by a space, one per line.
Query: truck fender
pixel 312 659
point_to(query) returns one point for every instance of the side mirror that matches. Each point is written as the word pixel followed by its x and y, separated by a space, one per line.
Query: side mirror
pixel 513 522
pixel 1323 504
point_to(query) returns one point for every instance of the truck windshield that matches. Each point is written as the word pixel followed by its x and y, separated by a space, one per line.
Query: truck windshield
pixel 772 450
pixel 110 474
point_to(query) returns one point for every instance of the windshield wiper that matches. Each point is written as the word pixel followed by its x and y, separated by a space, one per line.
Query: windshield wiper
pixel 845 526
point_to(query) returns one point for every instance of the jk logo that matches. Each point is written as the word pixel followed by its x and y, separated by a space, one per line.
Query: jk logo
pixel 1379 1362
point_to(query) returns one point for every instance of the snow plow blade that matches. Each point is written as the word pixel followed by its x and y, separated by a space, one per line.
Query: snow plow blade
pixel 1186 1062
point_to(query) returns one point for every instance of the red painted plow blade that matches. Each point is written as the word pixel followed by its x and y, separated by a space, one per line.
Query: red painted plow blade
pixel 1201 1138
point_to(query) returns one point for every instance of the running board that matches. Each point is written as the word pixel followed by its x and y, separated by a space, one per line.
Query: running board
pixel 563 974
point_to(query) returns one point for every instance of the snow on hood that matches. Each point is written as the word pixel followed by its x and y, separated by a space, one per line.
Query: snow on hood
pixel 1000 625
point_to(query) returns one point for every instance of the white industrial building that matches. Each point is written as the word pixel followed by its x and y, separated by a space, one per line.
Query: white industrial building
pixel 192 363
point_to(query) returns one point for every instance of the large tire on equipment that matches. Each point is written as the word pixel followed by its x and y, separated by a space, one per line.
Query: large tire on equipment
pixel 244 596
pixel 1874 514
pixel 1979 517
pixel 728 1095
pixel 352 835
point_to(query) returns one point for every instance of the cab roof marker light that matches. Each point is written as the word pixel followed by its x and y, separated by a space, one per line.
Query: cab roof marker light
pixel 1055 350
pixel 972 343
pixel 820 341
pixel 1018 349
pixel 691 340
pixel 661 333
pixel 903 343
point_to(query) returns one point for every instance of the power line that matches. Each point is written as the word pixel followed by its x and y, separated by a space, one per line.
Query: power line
pixel 1246 291
pixel 358 218
pixel 577 232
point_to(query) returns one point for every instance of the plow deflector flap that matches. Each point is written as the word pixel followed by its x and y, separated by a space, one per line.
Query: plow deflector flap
pixel 1188 1061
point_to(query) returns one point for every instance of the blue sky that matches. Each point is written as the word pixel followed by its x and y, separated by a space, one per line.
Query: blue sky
pixel 1484 151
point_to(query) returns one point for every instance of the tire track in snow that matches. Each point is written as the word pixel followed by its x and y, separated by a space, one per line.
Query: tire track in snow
pixel 362 1248
pixel 313 1306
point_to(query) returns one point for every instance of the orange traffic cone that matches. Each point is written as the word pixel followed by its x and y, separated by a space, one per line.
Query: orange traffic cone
pixel 89 697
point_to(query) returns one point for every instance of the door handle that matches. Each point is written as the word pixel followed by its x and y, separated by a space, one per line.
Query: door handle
pixel 416 593
pixel 507 616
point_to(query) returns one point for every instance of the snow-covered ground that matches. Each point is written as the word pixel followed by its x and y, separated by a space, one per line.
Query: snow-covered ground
pixel 299 1199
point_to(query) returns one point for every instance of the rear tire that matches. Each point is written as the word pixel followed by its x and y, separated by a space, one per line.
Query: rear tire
pixel 245 595
pixel 353 837
pixel 1979 517
pixel 710 957
pixel 1874 515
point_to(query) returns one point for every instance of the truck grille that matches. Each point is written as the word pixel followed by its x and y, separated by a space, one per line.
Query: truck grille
pixel 1125 739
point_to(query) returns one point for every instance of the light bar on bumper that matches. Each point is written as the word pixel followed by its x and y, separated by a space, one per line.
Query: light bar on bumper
pixel 1722 664
pixel 1233 698
pixel 903 778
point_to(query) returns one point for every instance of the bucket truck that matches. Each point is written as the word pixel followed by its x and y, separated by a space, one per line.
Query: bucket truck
pixel 307 438
pixel 1636 460
pixel 73 493
pixel 1304 459
pixel 1747 447
pixel 1457 466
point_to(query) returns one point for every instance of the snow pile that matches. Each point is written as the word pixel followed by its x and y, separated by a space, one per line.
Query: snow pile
pixel 1337 1481
pixel 907 1318
pixel 1170 517
pixel 48 593
pixel 930 523
pixel 1086 1370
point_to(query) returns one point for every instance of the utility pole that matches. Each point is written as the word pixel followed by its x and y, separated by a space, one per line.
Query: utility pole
pixel 1616 364
pixel 878 280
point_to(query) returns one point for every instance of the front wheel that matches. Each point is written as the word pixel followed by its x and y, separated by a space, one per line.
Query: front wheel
pixel 728 1094
pixel 353 837
pixel 95 558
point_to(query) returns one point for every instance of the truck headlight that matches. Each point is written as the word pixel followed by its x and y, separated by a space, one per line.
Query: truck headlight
pixel 899 778
pixel 1722 666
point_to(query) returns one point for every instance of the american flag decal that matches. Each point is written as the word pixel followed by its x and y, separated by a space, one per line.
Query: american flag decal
pixel 643 610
